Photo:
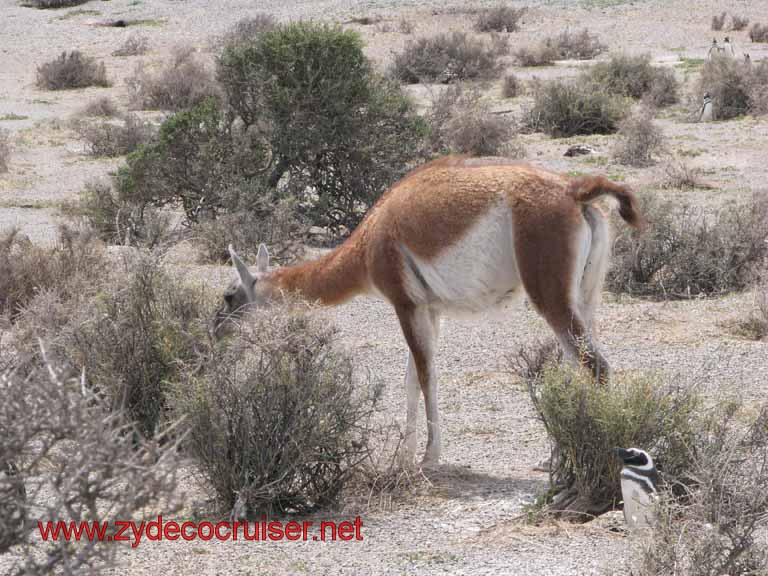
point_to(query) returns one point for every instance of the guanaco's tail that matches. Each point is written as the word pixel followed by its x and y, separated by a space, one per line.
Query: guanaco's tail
pixel 585 189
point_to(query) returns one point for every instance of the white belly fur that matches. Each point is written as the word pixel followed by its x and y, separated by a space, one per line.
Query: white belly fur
pixel 478 273
pixel 637 505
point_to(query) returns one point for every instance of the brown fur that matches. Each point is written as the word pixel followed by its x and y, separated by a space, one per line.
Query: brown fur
pixel 434 206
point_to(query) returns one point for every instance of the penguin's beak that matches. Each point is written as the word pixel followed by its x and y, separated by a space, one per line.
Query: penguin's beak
pixel 623 453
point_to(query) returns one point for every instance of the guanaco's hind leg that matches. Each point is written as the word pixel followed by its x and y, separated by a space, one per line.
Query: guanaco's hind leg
pixel 420 327
pixel 551 276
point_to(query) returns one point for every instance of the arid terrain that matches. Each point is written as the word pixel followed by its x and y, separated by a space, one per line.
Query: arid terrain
pixel 463 520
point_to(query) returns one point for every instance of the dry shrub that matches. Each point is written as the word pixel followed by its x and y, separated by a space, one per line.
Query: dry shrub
pixel 103 107
pixel 585 422
pixel 542 55
pixel 758 32
pixel 717 526
pixel 728 82
pixel 116 220
pixel 44 4
pixel 756 325
pixel 275 421
pixel 634 76
pixel 129 331
pixel 270 220
pixel 134 45
pixel 110 139
pixel 445 58
pixel 183 82
pixel 639 140
pixel 405 26
pixel 686 252
pixel 677 174
pixel 511 87
pixel 27 270
pixel 71 70
pixel 64 456
pixel 460 122
pixel 5 151
pixel 247 30
pixel 133 339
pixel 719 21
pixel 739 22
pixel 500 18
pixel 565 108
pixel 576 45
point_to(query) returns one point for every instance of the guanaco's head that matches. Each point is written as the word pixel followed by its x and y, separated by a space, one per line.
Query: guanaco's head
pixel 246 290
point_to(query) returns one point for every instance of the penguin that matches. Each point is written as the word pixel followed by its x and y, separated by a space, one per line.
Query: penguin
pixel 706 114
pixel 639 481
pixel 713 48
pixel 728 47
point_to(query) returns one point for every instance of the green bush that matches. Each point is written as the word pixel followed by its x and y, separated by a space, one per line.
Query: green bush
pixel 686 252
pixel 71 70
pixel 275 420
pixel 636 77
pixel 193 161
pixel 445 58
pixel 563 108
pixel 337 133
pixel 585 422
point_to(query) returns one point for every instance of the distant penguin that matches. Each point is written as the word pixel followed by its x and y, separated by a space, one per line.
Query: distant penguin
pixel 728 47
pixel 639 481
pixel 706 112
pixel 747 59
pixel 713 49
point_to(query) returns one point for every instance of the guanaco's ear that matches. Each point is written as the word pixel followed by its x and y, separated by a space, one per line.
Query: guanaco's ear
pixel 242 270
pixel 262 259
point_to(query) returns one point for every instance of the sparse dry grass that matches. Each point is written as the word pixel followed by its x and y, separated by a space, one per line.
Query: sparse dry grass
pixel 5 151
pixel 103 107
pixel 134 45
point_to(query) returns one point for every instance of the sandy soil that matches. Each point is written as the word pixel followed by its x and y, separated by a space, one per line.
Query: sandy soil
pixel 463 523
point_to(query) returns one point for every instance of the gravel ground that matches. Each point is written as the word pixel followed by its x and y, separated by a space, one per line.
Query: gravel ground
pixel 463 522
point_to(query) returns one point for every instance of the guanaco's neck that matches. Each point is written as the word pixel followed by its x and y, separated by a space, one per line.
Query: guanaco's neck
pixel 338 276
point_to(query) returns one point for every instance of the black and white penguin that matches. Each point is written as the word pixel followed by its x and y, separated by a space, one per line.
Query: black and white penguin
pixel 639 481
pixel 706 112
